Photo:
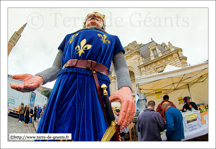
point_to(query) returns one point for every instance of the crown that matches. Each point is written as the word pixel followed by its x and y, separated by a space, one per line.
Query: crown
pixel 99 14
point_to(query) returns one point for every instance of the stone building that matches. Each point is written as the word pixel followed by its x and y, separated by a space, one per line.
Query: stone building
pixel 14 38
pixel 149 58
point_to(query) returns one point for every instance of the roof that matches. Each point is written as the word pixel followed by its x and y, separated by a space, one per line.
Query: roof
pixel 145 51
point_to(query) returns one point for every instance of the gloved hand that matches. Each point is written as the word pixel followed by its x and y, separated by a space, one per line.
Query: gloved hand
pixel 125 97
pixel 30 82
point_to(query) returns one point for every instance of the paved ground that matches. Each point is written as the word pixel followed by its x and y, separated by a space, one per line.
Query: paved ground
pixel 201 138
pixel 15 127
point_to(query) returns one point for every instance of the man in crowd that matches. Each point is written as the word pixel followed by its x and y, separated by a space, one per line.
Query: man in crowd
pixel 174 122
pixel 31 114
pixel 35 113
pixel 25 111
pixel 21 113
pixel 38 112
pixel 160 109
pixel 42 110
pixel 26 115
pixel 150 124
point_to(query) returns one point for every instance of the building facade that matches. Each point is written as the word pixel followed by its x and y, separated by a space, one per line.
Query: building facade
pixel 147 59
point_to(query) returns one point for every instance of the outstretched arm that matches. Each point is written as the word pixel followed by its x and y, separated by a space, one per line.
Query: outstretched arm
pixel 124 94
pixel 32 82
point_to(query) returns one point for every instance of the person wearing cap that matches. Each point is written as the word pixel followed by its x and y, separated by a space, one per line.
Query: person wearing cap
pixel 81 66
pixel 188 104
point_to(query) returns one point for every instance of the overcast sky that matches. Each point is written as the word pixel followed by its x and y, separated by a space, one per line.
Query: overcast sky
pixel 35 51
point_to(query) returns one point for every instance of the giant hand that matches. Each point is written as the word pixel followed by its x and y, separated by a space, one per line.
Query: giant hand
pixel 125 97
pixel 30 82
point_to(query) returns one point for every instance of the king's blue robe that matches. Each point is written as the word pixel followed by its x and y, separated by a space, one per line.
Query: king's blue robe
pixel 73 105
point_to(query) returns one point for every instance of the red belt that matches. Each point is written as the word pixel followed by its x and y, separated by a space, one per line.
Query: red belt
pixel 94 67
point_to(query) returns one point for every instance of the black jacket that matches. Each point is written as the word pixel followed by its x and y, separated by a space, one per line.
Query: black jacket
pixel 31 112
pixel 35 110
pixel 186 106
pixel 27 116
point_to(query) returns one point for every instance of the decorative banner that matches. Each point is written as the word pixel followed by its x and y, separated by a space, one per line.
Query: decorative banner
pixel 191 122
pixel 180 99
pixel 191 118
pixel 158 93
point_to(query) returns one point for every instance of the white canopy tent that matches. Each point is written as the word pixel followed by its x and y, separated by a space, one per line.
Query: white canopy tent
pixel 170 68
pixel 190 81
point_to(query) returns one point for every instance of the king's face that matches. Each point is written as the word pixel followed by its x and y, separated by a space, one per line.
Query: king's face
pixel 94 20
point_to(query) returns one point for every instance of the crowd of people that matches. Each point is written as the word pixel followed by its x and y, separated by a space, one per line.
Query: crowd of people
pixel 27 113
pixel 150 122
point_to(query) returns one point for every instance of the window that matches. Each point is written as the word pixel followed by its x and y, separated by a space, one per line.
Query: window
pixel 155 52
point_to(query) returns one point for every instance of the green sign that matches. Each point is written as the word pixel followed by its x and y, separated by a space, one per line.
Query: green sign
pixel 11 101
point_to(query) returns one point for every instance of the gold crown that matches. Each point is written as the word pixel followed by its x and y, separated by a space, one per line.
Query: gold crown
pixel 99 14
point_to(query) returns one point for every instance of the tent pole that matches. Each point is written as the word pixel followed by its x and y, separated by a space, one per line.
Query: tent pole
pixel 136 99
pixel 137 88
pixel 190 93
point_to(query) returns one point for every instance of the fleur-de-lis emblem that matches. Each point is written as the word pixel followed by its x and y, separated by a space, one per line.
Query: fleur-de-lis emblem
pixel 72 37
pixel 104 38
pixel 80 48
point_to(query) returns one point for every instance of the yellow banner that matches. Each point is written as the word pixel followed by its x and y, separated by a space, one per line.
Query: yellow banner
pixel 158 93
pixel 191 118
pixel 180 100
